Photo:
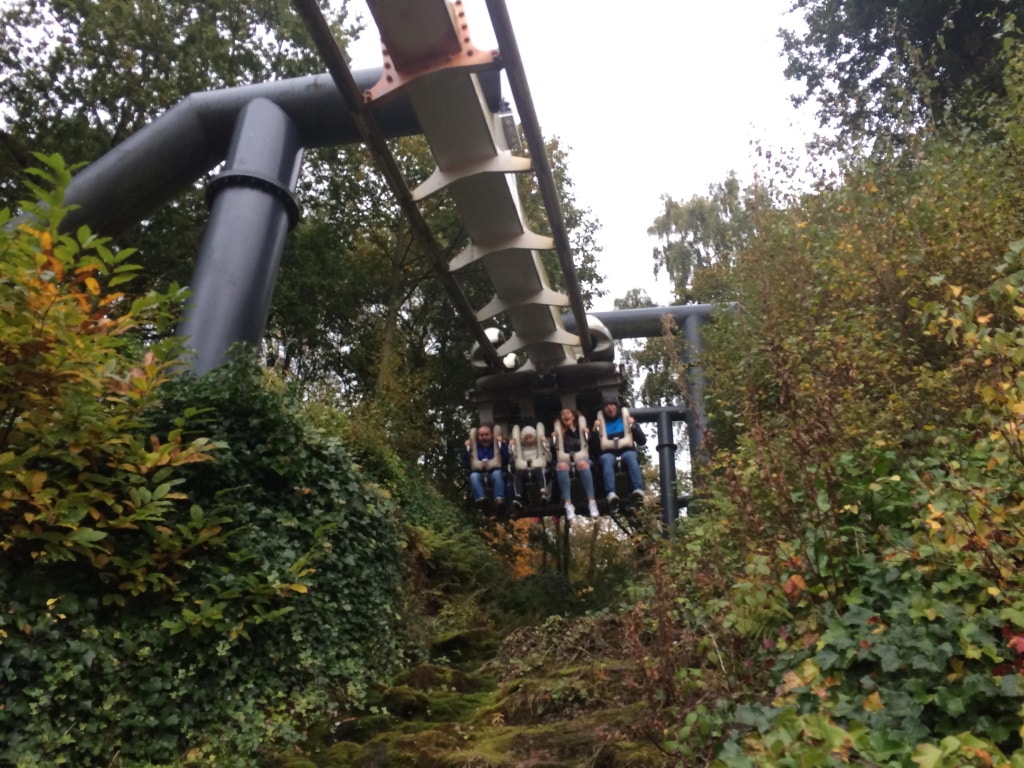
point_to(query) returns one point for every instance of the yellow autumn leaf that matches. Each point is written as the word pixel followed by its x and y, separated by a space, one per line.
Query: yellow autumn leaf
pixel 92 286
pixel 34 480
pixel 873 702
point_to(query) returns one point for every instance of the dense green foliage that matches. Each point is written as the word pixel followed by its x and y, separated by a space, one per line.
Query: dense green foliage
pixel 188 564
pixel 81 76
pixel 882 68
pixel 859 548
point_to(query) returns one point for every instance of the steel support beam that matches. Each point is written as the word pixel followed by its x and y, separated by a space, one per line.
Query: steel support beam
pixel 663 417
pixel 252 208
pixel 645 322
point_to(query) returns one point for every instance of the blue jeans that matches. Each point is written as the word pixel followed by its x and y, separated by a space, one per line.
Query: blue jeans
pixel 476 484
pixel 630 461
pixel 586 480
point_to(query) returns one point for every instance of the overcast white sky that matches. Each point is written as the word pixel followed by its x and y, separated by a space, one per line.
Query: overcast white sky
pixel 665 98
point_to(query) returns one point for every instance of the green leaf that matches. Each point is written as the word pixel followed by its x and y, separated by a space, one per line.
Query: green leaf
pixel 928 756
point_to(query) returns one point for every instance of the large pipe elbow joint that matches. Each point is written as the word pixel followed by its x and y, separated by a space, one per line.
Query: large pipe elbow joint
pixel 602 343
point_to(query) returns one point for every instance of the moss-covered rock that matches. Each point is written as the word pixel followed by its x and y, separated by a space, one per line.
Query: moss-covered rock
pixel 566 708
pixel 290 760
pixel 405 702
pixel 457 708
pixel 428 677
pixel 465 646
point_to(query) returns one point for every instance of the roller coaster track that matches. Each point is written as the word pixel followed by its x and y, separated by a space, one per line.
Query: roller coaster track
pixel 429 57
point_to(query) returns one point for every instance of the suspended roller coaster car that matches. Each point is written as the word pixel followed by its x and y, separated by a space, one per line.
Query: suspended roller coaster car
pixel 518 399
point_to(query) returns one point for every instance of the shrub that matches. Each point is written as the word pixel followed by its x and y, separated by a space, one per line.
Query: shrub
pixel 189 568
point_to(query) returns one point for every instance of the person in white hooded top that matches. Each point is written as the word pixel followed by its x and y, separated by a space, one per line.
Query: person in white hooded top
pixel 529 456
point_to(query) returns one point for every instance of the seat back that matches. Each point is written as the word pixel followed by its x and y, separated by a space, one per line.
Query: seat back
pixel 614 443
pixel 563 455
pixel 478 465
pixel 528 457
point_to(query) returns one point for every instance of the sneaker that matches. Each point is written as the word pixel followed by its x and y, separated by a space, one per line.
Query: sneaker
pixel 544 496
pixel 613 501
pixel 637 496
pixel 517 505
pixel 499 505
pixel 570 511
pixel 594 511
pixel 480 504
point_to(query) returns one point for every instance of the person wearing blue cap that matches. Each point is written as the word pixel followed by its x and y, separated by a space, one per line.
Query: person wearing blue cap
pixel 614 438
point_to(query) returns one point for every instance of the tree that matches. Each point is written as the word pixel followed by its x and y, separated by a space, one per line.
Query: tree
pixel 79 77
pixel 889 67
pixel 704 232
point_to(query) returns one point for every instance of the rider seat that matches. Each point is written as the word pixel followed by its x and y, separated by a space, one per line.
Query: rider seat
pixel 561 455
pixel 529 457
pixel 615 442
pixel 484 467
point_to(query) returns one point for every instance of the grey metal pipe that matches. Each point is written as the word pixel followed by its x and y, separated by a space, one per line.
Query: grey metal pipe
pixel 155 163
pixel 667 468
pixel 695 388
pixel 664 416
pixel 652 414
pixel 645 322
pixel 252 210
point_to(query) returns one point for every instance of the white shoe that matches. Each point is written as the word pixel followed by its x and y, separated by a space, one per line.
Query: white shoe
pixel 613 501
pixel 594 511
pixel 570 511
pixel 638 496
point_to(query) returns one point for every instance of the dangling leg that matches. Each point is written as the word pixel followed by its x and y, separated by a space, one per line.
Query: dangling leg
pixel 476 485
pixel 541 482
pixel 520 490
pixel 608 476
pixel 498 488
pixel 565 489
pixel 587 481
pixel 636 477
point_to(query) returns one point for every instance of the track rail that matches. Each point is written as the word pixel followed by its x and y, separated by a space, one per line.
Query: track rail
pixel 429 58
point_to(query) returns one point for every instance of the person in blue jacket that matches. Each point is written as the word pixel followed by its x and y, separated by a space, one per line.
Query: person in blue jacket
pixel 604 443
pixel 491 458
